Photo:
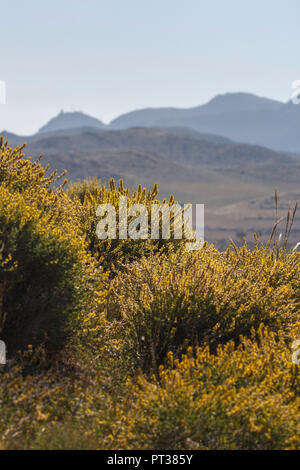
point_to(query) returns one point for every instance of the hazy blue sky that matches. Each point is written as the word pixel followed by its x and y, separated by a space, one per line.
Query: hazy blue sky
pixel 109 57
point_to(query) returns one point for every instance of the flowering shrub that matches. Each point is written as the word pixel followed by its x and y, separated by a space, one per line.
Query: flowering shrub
pixel 46 272
pixel 166 302
pixel 111 252
pixel 159 348
pixel 240 398
pixel 37 403
pixel 244 397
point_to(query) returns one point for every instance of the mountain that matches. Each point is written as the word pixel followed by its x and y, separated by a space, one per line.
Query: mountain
pixel 238 117
pixel 14 140
pixel 227 103
pixel 188 132
pixel 241 117
pixel 71 121
pixel 237 102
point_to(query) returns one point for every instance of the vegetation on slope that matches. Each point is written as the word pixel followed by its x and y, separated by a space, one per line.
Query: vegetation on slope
pixel 119 344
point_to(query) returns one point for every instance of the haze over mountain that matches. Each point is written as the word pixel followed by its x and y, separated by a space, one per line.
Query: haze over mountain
pixel 228 103
pixel 241 117
pixel 71 120
pixel 238 116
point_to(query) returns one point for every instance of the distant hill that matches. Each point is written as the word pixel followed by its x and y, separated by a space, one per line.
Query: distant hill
pixel 71 121
pixel 227 103
pixel 14 140
pixel 242 117
pixel 237 102
pixel 188 132
pixel 238 117
pixel 143 151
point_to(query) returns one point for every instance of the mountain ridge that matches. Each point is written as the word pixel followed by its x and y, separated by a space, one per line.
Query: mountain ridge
pixel 71 120
pixel 239 117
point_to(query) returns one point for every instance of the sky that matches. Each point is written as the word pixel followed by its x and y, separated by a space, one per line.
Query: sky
pixel 108 57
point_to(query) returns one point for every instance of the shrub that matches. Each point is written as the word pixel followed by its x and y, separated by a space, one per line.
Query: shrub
pixel 239 398
pixel 113 252
pixel 46 273
pixel 59 407
pixel 20 173
pixel 244 397
pixel 168 301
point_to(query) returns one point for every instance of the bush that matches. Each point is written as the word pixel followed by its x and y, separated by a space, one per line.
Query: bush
pixel 46 273
pixel 244 398
pixel 59 407
pixel 114 252
pixel 166 302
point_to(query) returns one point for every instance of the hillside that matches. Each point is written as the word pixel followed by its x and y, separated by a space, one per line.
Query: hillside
pixel 138 344
pixel 84 150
